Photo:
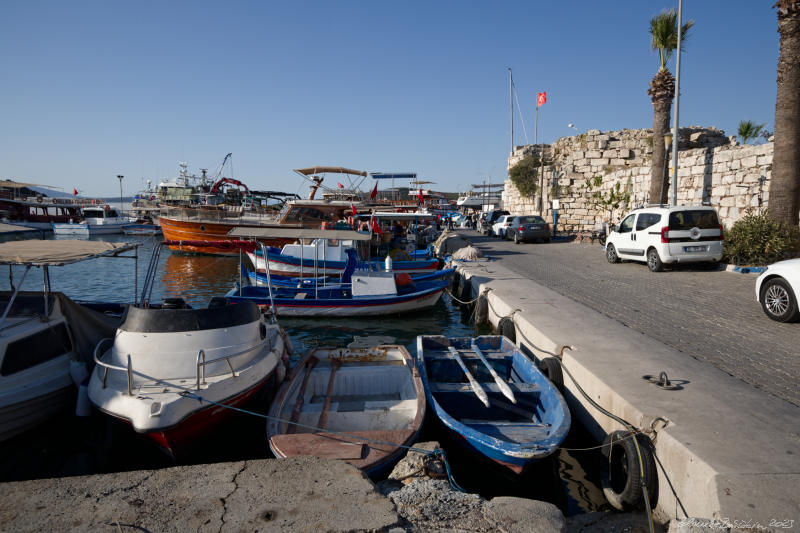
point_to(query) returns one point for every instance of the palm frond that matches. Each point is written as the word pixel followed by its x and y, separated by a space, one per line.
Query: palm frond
pixel 664 34
pixel 749 130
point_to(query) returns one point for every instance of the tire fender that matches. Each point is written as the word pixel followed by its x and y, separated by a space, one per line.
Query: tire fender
pixel 623 479
pixel 551 368
pixel 507 328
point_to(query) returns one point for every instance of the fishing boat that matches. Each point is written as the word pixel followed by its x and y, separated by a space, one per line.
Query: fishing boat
pixel 196 229
pixel 39 211
pixel 493 398
pixel 170 370
pixel 46 339
pixel 258 278
pixel 328 257
pixel 99 220
pixel 361 405
pixel 141 229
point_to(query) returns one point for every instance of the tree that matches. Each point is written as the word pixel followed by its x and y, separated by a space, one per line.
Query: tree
pixel 749 130
pixel 664 34
pixel 784 188
pixel 524 175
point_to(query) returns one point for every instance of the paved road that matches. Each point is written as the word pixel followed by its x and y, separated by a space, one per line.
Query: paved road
pixel 709 315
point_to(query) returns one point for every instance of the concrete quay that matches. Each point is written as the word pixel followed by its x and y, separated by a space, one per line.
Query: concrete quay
pixel 726 449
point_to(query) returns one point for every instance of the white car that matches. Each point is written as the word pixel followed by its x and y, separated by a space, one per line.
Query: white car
pixel 662 235
pixel 777 288
pixel 499 227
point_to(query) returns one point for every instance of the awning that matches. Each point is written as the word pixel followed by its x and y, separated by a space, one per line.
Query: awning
pixel 398 216
pixel 10 184
pixel 392 176
pixel 57 253
pixel 298 233
pixel 335 170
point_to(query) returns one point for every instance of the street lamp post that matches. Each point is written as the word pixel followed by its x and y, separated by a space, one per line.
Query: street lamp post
pixel 573 127
pixel 119 177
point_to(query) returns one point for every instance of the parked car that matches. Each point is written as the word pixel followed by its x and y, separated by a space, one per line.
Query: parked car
pixel 499 227
pixel 663 235
pixel 489 218
pixel 778 289
pixel 528 228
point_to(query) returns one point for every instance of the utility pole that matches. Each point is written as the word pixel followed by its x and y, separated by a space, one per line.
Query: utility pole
pixel 511 107
pixel 673 200
pixel 119 177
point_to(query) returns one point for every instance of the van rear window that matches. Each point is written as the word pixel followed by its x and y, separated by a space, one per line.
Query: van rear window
pixel 686 220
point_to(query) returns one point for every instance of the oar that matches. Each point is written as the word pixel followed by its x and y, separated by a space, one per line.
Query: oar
pixel 504 388
pixel 474 385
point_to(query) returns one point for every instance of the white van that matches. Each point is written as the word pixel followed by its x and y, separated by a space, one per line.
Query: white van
pixel 661 235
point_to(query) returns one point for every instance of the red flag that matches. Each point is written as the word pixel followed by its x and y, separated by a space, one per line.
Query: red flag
pixel 420 196
pixel 376 227
pixel 74 192
pixel 541 99
pixel 353 209
pixel 374 192
pixel 339 185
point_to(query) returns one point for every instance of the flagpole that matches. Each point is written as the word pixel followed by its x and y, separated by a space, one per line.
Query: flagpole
pixel 535 144
pixel 511 106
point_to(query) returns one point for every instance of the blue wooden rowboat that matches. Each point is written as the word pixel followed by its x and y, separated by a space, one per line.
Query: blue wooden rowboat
pixel 513 435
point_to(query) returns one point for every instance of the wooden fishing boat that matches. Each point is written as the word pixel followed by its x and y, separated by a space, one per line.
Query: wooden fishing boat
pixel 511 415
pixel 356 404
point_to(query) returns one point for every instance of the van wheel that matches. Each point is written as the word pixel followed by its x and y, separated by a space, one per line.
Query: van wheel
pixel 611 254
pixel 654 261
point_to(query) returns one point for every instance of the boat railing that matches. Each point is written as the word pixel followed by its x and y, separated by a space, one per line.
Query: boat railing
pixel 217 215
pixel 130 372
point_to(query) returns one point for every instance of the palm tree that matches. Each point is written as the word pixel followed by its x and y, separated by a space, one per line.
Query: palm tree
pixel 664 33
pixel 749 130
pixel 784 188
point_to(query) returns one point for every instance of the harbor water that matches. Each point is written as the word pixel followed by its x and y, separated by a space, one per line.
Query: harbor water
pixel 69 445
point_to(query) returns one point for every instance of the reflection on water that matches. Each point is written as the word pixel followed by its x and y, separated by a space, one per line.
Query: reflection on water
pixel 196 279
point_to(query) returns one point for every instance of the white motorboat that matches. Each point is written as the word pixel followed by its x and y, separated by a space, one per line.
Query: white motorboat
pixel 169 369
pixel 96 221
pixel 43 335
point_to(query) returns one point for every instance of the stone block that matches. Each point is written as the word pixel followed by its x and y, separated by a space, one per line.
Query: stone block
pixel 764 160
pixel 593 132
pixel 749 162
pixel 617 162
pixel 577 154
pixel 603 138
pixel 581 162
pixel 719 190
pixel 723 156
pixel 625 153
pixel 727 179
pixel 599 162
pixel 727 201
pixel 736 164
pixel 740 200
pixel 610 154
pixel 593 154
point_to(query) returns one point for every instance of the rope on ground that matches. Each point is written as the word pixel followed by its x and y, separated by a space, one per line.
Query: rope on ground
pixel 460 301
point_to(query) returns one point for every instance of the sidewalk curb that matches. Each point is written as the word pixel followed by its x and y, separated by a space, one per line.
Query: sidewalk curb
pixel 744 269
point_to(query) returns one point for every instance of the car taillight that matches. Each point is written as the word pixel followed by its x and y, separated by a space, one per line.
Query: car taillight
pixel 664 232
pixel 521 228
pixel 547 227
pixel 721 233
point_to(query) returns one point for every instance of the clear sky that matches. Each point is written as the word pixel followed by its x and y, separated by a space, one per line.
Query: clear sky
pixel 92 89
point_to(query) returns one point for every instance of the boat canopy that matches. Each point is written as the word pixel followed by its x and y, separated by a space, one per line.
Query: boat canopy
pixel 398 216
pixel 298 233
pixel 10 184
pixel 57 253
pixel 392 176
pixel 335 170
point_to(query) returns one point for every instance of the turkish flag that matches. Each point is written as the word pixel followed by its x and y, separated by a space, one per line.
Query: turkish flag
pixel 353 209
pixel 541 99
pixel 374 192
pixel 339 185
pixel 421 198
pixel 74 192
pixel 376 227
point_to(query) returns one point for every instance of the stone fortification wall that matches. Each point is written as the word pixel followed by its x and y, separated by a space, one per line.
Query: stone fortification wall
pixel 712 169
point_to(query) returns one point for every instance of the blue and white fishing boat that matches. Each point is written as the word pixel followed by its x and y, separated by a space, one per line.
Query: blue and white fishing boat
pixel 493 398
pixel 330 259
pixel 96 221
pixel 258 278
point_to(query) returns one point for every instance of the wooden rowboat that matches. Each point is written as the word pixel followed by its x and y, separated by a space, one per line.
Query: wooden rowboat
pixel 356 404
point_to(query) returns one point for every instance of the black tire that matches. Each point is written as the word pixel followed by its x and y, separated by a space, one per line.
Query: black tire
pixel 779 301
pixel 547 239
pixel 654 261
pixel 507 328
pixel 551 368
pixel 611 254
pixel 622 482
pixel 516 238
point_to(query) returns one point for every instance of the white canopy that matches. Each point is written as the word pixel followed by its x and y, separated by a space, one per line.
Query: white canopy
pixel 334 170
pixel 57 253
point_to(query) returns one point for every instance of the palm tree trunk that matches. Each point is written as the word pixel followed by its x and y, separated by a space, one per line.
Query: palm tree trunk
pixel 784 189
pixel 662 89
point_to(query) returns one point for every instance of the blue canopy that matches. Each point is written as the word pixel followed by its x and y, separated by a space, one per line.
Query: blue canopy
pixel 391 176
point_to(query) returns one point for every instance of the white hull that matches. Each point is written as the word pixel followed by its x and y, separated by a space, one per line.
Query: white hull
pixel 87 229
pixel 371 310
pixel 21 416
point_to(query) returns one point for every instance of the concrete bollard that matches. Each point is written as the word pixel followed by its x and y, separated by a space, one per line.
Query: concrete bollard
pixel 465 290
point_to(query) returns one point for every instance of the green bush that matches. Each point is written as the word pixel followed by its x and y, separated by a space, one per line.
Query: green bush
pixel 760 240
pixel 525 175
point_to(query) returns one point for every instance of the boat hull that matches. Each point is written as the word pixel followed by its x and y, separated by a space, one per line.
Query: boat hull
pixel 290 266
pixel 175 229
pixel 141 229
pixel 87 229
pixel 19 417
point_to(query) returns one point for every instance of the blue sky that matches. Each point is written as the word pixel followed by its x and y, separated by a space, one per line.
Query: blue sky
pixel 89 90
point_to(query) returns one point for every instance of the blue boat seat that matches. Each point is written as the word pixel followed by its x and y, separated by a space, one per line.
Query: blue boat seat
pixel 520 432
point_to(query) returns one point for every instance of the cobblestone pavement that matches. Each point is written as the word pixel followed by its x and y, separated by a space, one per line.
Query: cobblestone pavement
pixel 710 315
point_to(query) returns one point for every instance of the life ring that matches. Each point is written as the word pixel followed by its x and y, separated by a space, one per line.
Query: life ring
pixel 551 368
pixel 39 199
pixel 622 481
